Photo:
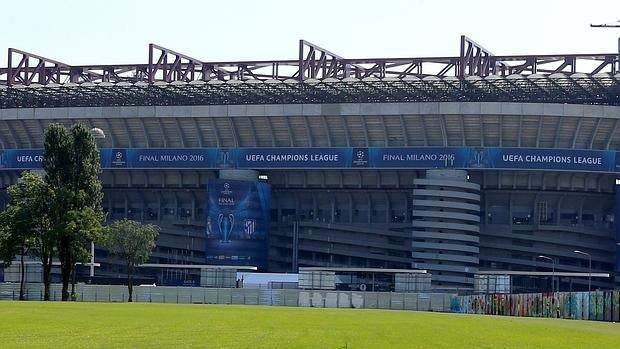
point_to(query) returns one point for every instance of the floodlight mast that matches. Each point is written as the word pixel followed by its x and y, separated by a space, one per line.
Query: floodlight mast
pixel 610 26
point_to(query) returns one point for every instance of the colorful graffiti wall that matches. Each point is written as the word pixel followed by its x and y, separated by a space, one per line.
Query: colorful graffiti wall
pixel 600 305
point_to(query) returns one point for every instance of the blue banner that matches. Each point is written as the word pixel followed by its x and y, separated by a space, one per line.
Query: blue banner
pixel 293 157
pixel 339 157
pixel 617 227
pixel 158 158
pixel 428 157
pixel 21 158
pixel 549 159
pixel 238 223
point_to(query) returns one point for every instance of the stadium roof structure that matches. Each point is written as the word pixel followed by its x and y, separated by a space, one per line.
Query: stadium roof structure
pixel 317 76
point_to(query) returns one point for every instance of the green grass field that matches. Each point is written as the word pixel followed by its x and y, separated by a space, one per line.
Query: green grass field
pixel 114 325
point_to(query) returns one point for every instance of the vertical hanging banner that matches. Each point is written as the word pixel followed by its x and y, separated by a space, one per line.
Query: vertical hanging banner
pixel 238 223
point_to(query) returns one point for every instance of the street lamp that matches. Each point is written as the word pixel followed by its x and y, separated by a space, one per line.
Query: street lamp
pixel 552 271
pixel 97 134
pixel 589 266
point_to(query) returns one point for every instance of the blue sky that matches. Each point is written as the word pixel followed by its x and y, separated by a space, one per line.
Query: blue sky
pixel 114 31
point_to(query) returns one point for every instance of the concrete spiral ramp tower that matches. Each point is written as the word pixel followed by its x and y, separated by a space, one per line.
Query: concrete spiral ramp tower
pixel 446 227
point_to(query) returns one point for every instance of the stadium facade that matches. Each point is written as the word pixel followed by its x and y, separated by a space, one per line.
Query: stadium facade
pixel 450 164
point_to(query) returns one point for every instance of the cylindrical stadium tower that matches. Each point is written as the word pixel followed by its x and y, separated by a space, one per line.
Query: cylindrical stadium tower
pixel 446 226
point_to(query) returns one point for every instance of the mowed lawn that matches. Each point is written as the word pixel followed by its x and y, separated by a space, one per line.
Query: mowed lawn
pixel 116 325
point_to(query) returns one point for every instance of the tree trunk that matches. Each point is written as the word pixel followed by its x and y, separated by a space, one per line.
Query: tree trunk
pixel 66 276
pixel 73 277
pixel 47 253
pixel 22 280
pixel 64 254
pixel 129 282
pixel 47 276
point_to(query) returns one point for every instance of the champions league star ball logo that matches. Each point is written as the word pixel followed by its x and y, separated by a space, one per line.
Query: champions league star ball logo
pixel 226 198
pixel 118 158
pixel 360 157
pixel 227 190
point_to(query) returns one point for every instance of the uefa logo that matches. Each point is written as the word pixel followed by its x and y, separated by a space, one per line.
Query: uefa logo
pixel 360 157
pixel 118 158
pixel 226 190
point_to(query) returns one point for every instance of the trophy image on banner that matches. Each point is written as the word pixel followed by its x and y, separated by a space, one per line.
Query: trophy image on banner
pixel 226 223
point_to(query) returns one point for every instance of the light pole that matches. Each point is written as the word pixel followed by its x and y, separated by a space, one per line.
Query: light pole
pixel 552 271
pixel 609 26
pixel 589 266
pixel 97 134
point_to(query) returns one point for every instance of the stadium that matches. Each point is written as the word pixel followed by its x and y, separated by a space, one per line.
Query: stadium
pixel 455 165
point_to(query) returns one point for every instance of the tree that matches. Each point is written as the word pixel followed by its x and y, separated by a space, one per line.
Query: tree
pixel 12 241
pixel 71 163
pixel 25 226
pixel 132 242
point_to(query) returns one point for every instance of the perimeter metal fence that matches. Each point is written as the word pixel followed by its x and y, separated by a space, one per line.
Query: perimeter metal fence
pixel 274 297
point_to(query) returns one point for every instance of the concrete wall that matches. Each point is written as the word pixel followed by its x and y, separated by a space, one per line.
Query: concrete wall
pixel 200 295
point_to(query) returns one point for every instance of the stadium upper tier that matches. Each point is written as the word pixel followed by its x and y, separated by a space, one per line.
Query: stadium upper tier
pixel 487 124
pixel 317 76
